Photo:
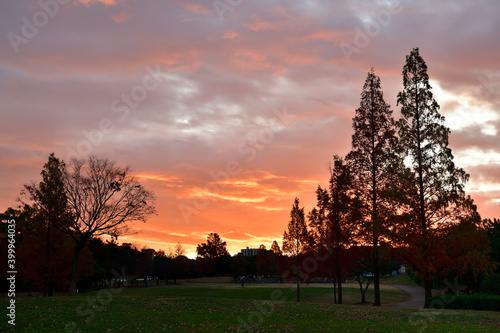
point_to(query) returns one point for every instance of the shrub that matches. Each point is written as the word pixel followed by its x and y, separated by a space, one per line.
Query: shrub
pixel 490 285
pixel 467 302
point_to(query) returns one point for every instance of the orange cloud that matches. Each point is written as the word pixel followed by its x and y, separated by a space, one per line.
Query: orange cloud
pixel 195 8
pixel 106 2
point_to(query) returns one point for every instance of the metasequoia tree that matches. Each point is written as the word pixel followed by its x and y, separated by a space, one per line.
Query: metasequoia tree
pixel 296 238
pixel 371 154
pixel 102 199
pixel 334 221
pixel 435 197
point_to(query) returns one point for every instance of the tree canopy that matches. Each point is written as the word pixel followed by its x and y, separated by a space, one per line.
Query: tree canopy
pixel 214 247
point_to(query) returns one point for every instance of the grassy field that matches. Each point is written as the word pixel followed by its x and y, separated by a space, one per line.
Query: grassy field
pixel 221 308
pixel 398 279
pixel 214 279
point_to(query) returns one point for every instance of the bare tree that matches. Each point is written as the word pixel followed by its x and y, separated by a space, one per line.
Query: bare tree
pixel 179 250
pixel 102 199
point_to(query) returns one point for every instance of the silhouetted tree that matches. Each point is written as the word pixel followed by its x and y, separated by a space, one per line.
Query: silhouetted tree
pixel 372 152
pixel 242 266
pixel 435 197
pixel 103 198
pixel 145 263
pixel 296 238
pixel 334 221
pixel 493 231
pixel 267 262
pixel 465 256
pixel 179 250
pixel 50 201
pixel 31 243
pixel 213 248
pixel 276 248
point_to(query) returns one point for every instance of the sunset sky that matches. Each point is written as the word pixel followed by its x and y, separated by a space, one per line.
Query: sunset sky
pixel 228 110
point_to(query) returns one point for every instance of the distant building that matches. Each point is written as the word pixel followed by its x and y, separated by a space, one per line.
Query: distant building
pixel 249 252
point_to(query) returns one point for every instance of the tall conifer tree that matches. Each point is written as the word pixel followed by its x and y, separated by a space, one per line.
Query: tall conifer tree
pixel 372 151
pixel 436 199
pixel 296 238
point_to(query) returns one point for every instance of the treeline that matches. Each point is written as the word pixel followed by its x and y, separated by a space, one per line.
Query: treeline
pixel 397 188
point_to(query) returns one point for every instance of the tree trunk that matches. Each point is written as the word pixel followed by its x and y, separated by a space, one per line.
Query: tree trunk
pixel 297 263
pixel 334 290
pixel 423 221
pixel 376 277
pixel 375 220
pixel 298 281
pixel 339 275
pixel 363 292
pixel 46 278
pixel 74 267
pixel 428 289
pixel 298 290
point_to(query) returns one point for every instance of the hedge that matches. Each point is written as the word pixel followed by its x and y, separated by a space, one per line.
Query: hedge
pixel 467 302
pixel 490 285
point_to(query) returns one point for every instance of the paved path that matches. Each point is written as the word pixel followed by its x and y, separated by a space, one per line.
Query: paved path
pixel 417 299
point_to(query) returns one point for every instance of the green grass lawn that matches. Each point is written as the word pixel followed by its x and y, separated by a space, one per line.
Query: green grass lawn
pixel 398 279
pixel 221 308
pixel 214 279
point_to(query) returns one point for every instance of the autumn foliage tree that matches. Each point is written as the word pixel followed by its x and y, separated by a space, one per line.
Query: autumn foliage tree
pixel 275 248
pixel 371 154
pixel 435 198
